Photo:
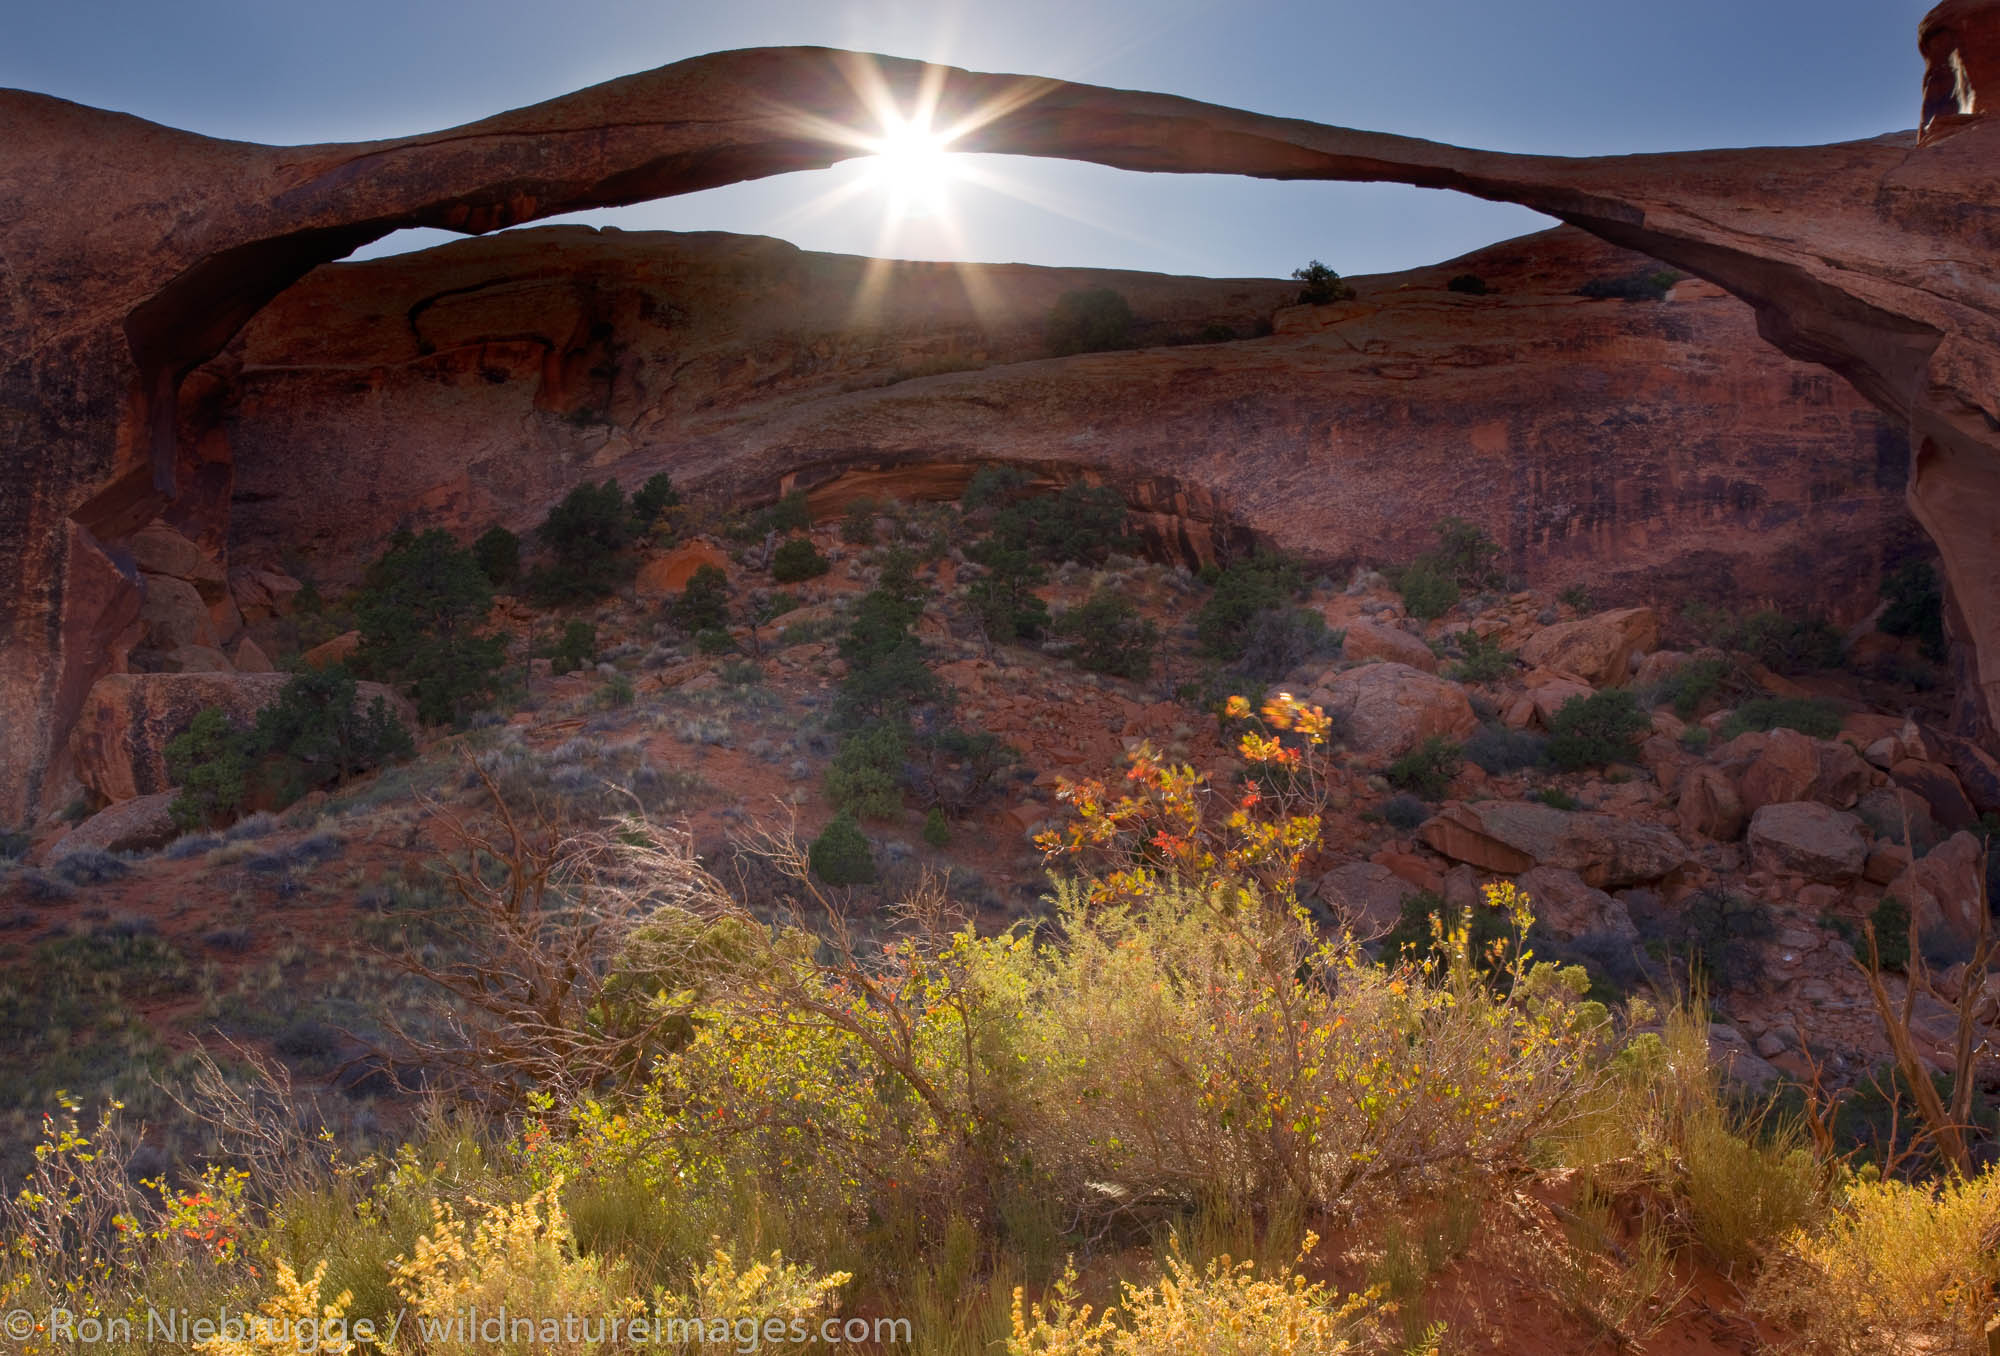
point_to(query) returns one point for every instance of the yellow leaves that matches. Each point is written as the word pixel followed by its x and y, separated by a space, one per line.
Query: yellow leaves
pixel 291 1312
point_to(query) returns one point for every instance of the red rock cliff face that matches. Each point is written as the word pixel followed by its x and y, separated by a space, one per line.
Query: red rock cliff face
pixel 135 252
pixel 1649 449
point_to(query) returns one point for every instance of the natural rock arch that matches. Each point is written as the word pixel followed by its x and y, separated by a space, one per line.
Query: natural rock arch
pixel 133 252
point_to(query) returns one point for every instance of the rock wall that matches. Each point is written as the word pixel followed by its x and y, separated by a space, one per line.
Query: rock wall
pixel 135 252
pixel 1646 449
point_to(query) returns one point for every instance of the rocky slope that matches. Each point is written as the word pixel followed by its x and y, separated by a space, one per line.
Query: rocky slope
pixel 1655 450
pixel 139 251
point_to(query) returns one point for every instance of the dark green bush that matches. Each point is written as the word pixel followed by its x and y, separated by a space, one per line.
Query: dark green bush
pixel 704 602
pixel 1089 321
pixel 1483 662
pixel 1558 799
pixel 790 514
pixel 1111 637
pixel 1496 750
pixel 1891 921
pixel 955 769
pixel 1576 596
pixel 1594 730
pixel 1004 598
pixel 1425 912
pixel 992 486
pixel 1786 644
pixel 1243 590
pixel 1084 523
pixel 586 534
pixel 840 855
pixel 1915 607
pixel 1721 936
pixel 887 677
pixel 575 649
pixel 422 610
pixel 857 525
pixel 1319 285
pixel 1403 811
pixel 1808 715
pixel 1644 286
pixel 498 555
pixel 1691 686
pixel 1471 284
pixel 314 733
pixel 652 499
pixel 1465 554
pixel 1282 638
pixel 865 777
pixel 1428 592
pixel 1427 769
pixel 937 829
pixel 798 559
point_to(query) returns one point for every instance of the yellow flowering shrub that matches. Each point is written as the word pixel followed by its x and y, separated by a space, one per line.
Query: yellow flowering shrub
pixel 292 1320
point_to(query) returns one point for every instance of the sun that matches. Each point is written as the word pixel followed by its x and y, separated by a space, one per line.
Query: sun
pixel 913 163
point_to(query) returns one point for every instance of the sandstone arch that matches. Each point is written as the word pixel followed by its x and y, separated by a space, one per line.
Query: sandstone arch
pixel 131 252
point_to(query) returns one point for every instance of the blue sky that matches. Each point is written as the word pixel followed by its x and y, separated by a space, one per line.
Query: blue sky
pixel 1522 75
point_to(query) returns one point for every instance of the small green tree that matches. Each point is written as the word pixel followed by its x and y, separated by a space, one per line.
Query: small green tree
pixel 1004 598
pixel 1915 607
pixel 1111 637
pixel 1319 285
pixel 1089 321
pixel 840 855
pixel 498 555
pixel 422 610
pixel 316 733
pixel 1594 730
pixel 210 763
pixel 575 649
pixel 1428 592
pixel 937 829
pixel 865 777
pixel 798 559
pixel 704 601
pixel 1427 769
pixel 586 535
pixel 652 499
pixel 1466 553
pixel 1244 589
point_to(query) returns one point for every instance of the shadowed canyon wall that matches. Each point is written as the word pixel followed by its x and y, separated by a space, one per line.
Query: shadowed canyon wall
pixel 133 253
pixel 1655 448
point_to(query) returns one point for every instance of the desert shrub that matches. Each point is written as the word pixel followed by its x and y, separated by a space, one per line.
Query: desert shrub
pixel 91 866
pixel 1215 332
pixel 857 525
pixel 1890 920
pixel 865 777
pixel 1915 607
pixel 1111 636
pixel 210 763
pixel 1575 597
pixel 798 559
pixel 1697 738
pixel 1424 929
pixel 887 676
pixel 615 692
pixel 575 649
pixel 1465 553
pixel 1645 286
pixel 1483 660
pixel 1004 597
pixel 1496 750
pixel 1899 1267
pixel 498 555
pixel 1190 1310
pixel 1081 522
pixel 1403 811
pixel 314 733
pixel 1242 590
pixel 1427 769
pixel 1471 284
pixel 1557 799
pixel 1279 639
pixel 1814 716
pixel 652 499
pixel 1428 592
pixel 937 829
pixel 1691 686
pixel 704 601
pixel 840 854
pixel 1786 644
pixel 792 513
pixel 1089 321
pixel 991 486
pixel 1718 936
pixel 422 610
pixel 586 536
pixel 1595 730
pixel 955 769
pixel 1319 285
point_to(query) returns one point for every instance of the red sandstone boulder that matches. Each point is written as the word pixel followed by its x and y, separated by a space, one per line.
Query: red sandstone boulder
pixel 1942 889
pixel 1371 640
pixel 1388 709
pixel 1365 896
pixel 1783 770
pixel 1598 649
pixel 1569 906
pixel 1938 787
pixel 667 576
pixel 1709 804
pixel 120 739
pixel 336 651
pixel 1510 837
pixel 1805 838
pixel 137 825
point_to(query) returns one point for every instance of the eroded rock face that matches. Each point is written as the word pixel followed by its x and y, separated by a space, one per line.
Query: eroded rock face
pixel 1805 838
pixel 1385 710
pixel 139 251
pixel 1510 837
